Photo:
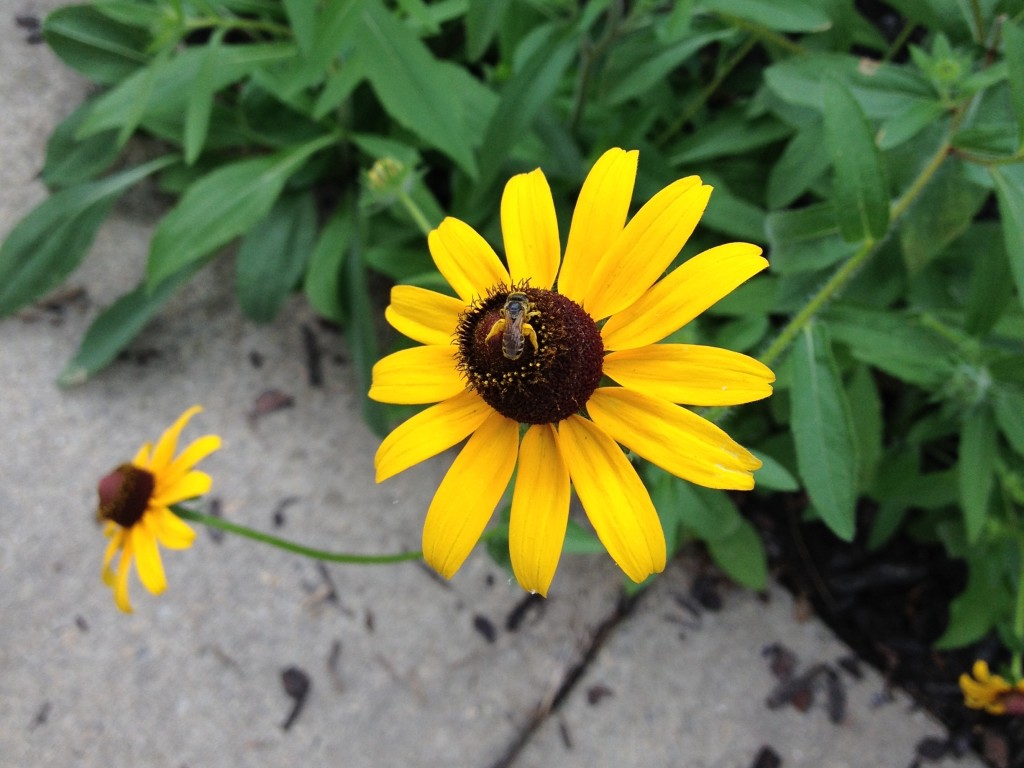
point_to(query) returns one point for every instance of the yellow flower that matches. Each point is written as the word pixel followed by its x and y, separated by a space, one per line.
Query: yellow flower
pixel 992 692
pixel 511 351
pixel 134 503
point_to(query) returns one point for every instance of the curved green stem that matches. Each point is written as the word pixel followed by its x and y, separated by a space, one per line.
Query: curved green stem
pixel 415 211
pixel 291 546
pixel 846 272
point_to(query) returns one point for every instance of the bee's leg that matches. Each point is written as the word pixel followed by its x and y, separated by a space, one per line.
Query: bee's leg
pixel 530 334
pixel 496 329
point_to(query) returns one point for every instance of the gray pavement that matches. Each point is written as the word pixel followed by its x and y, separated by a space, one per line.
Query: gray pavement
pixel 405 669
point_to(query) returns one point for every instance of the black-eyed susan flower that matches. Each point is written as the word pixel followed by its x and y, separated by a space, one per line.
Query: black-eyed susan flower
pixel 993 693
pixel 529 345
pixel 135 504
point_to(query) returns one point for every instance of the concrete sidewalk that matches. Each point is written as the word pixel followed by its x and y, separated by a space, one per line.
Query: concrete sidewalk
pixel 404 669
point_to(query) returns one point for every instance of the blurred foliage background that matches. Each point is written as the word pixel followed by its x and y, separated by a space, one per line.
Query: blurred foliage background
pixel 874 148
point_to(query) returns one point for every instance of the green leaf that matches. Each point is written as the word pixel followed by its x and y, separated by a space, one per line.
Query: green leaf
pixel 772 476
pixel 886 522
pixel 341 82
pixel 1013 48
pixel 483 19
pixel 940 214
pixel 200 100
pixel 908 122
pixel 47 245
pixel 805 239
pixel 977 468
pixel 412 87
pixel 302 18
pixel 323 278
pixel 730 134
pixel 91 42
pixel 780 15
pixel 69 161
pixel 895 343
pixel 742 556
pixel 991 286
pixel 1009 407
pixel 221 206
pixel 868 426
pixel 529 88
pixel 824 437
pixel 976 610
pixel 117 326
pixel 1010 195
pixel 860 190
pixel 273 256
pixel 580 541
pixel 799 166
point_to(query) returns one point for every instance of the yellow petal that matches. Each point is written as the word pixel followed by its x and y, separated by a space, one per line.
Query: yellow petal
pixel 141 459
pixel 465 259
pixel 168 441
pixel 685 292
pixel 691 374
pixel 468 494
pixel 417 375
pixel 147 558
pixel 424 316
pixel 116 541
pixel 675 439
pixel 980 670
pixel 121 579
pixel 540 510
pixel 614 498
pixel 190 486
pixel 170 530
pixel 429 432
pixel 600 215
pixel 645 248
pixel 196 451
pixel 530 230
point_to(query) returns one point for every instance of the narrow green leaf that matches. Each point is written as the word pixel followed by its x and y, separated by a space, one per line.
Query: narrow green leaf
pixel 860 190
pixel 886 522
pixel 730 134
pixel 991 288
pixel 742 556
pixel 411 86
pixel 579 541
pixel 70 161
pixel 117 326
pixel 47 245
pixel 302 18
pixel 340 84
pixel 323 278
pixel 780 15
pixel 1013 48
pixel 799 166
pixel 976 468
pixel 91 42
pixel 200 100
pixel 483 19
pixel 975 610
pixel 1010 195
pixel 273 256
pixel 908 122
pixel 825 444
pixel 1009 407
pixel 772 476
pixel 868 426
pixel 221 206
pixel 806 239
pixel 529 88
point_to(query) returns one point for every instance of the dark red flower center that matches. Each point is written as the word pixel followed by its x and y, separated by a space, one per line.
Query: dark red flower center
pixel 533 355
pixel 125 494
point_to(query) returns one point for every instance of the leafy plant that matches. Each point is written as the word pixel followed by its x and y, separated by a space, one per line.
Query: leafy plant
pixel 878 158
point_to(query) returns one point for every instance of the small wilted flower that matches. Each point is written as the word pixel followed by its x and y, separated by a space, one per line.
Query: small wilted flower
pixel 135 504
pixel 993 693
pixel 387 177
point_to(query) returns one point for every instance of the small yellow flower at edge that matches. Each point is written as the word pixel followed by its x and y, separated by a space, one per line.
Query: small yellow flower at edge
pixel 993 693
pixel 134 506
pixel 530 344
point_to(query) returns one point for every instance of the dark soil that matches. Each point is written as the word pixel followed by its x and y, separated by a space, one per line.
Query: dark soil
pixel 890 606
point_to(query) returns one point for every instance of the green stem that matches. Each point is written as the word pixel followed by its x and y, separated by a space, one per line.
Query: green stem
pixel 843 275
pixel 416 213
pixel 291 546
pixel 250 25
pixel 589 55
pixel 901 40
pixel 702 98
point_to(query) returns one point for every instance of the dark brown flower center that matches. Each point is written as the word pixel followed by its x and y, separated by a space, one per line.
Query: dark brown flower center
pixel 125 494
pixel 532 354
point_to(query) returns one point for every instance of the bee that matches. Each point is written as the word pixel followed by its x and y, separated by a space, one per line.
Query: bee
pixel 514 325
